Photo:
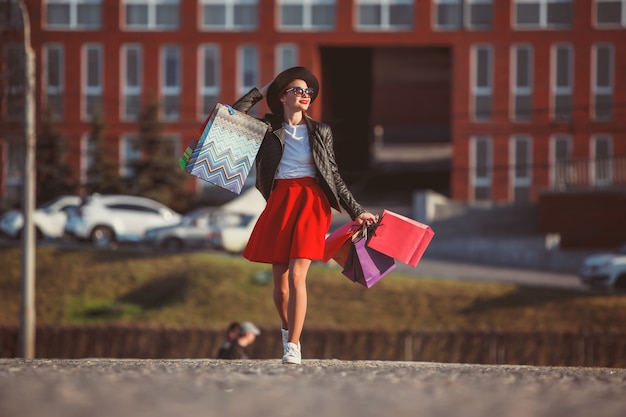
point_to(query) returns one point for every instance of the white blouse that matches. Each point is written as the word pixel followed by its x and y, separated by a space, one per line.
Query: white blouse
pixel 297 161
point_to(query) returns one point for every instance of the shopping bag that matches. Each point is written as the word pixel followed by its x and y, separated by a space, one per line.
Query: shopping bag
pixel 400 237
pixel 365 265
pixel 338 243
pixel 225 151
pixel 185 158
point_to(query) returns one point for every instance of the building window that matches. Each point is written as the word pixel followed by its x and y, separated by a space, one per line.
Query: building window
pixel 15 87
pixel 238 15
pixel 522 82
pixel 385 15
pixel 131 67
pixel 481 157
pixel 170 82
pixel 130 152
pixel 73 14
pixel 562 82
pixel 602 160
pixel 458 14
pixel 248 68
pixel 286 56
pixel 92 81
pixel 610 13
pixel 482 82
pixel 151 14
pixel 88 149
pixel 209 78
pixel 53 80
pixel 544 14
pixel 602 83
pixel 10 15
pixel 307 15
pixel 521 168
pixel 561 164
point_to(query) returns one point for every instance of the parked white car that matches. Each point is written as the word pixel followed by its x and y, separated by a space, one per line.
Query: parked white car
pixel 605 270
pixel 107 219
pixel 243 212
pixel 49 219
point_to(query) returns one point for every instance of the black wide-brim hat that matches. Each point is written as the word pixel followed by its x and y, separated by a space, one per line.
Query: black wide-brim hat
pixel 282 80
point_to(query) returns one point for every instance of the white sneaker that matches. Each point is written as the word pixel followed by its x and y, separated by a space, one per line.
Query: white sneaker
pixel 293 355
pixel 285 335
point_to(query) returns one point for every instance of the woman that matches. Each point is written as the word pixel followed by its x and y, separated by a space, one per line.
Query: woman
pixel 298 176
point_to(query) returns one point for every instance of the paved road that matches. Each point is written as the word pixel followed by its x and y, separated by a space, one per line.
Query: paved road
pixel 475 272
pixel 159 388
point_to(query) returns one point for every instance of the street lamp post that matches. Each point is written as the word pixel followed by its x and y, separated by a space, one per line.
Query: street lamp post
pixel 27 329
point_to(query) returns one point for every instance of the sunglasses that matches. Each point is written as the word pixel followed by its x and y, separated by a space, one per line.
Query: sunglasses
pixel 299 91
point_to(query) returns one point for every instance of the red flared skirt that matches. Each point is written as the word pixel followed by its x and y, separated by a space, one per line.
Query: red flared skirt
pixel 293 225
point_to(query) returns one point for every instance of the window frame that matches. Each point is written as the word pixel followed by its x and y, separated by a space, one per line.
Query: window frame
pixel 476 180
pixel 599 25
pixel 73 23
pixel 481 91
pixel 166 90
pixel 520 182
pixel 54 90
pixel 242 67
pixel 565 170
pixel 518 90
pixel 597 90
pixel 282 61
pixel 543 15
pixel 151 18
pixel 126 89
pixel 465 18
pixel 594 167
pixel 557 90
pixel 88 91
pixel 230 15
pixel 208 91
pixel 307 15
pixel 385 24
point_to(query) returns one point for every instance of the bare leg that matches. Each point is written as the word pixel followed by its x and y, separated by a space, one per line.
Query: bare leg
pixel 281 292
pixel 297 300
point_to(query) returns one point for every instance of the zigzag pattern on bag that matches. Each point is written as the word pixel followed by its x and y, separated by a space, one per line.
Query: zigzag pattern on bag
pixel 226 149
pixel 221 168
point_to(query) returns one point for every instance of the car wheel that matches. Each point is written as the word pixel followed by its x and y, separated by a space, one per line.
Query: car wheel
pixel 620 282
pixel 103 237
pixel 173 244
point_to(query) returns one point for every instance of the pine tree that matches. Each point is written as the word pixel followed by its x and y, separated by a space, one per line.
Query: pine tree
pixel 102 172
pixel 54 175
pixel 157 174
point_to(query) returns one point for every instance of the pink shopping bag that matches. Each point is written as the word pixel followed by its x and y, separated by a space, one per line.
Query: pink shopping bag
pixel 338 243
pixel 400 237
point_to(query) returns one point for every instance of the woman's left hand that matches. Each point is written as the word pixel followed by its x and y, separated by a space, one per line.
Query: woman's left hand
pixel 367 217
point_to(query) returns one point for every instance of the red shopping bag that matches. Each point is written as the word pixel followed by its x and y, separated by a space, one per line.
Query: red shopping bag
pixel 400 237
pixel 338 243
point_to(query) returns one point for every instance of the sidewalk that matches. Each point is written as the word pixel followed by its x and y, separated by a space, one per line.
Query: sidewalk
pixel 207 388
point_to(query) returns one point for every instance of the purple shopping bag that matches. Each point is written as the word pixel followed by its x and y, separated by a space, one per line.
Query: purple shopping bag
pixel 365 265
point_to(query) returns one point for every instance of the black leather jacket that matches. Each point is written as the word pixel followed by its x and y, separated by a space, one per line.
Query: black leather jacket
pixel 321 141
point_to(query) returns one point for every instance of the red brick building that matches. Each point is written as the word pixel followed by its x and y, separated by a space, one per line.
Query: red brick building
pixel 501 99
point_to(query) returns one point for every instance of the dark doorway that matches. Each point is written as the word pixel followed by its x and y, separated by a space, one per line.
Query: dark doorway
pixel 346 99
pixel 390 110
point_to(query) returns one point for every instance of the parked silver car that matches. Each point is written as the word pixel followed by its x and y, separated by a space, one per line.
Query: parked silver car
pixel 225 227
pixel 233 236
pixel 107 219
pixel 49 219
pixel 193 231
pixel 605 270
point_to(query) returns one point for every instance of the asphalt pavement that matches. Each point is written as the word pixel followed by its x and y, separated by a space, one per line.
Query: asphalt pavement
pixel 207 388
pixel 479 272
